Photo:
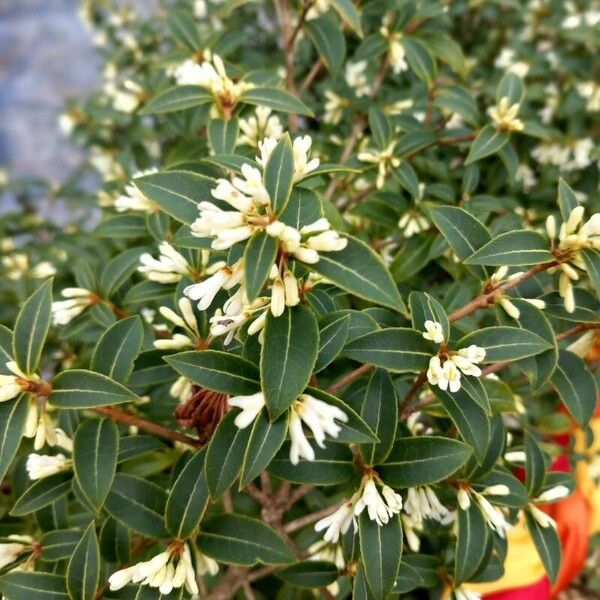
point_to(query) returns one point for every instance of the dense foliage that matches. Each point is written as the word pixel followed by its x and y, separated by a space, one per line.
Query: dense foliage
pixel 345 272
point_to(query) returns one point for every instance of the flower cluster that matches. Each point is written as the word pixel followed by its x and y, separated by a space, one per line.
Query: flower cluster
pixel 167 571
pixel 504 115
pixel 317 415
pixel 78 299
pixel 494 516
pixel 446 367
pixel 573 237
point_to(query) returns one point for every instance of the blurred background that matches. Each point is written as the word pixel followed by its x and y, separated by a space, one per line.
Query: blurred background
pixel 46 56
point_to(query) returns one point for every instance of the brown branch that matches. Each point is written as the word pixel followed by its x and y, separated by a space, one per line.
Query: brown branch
pixel 301 522
pixel 347 379
pixel 116 414
pixel 314 72
pixel 487 297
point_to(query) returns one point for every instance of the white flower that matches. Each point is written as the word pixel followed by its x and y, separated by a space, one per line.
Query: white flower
pixel 169 570
pixel 224 278
pixel 128 99
pixel 170 266
pixel 494 516
pixel 557 492
pixel 396 53
pixel 541 517
pixel 409 527
pixel 181 389
pixel 261 125
pixel 433 331
pixel 462 593
pixel 134 199
pixel 515 456
pixel 11 551
pixel 251 405
pixel 338 522
pixel 445 375
pixel 39 465
pixel 590 90
pixel 506 62
pixel 78 299
pixel 422 503
pixel 384 159
pixel 504 115
pixel 12 385
pixel 413 222
pixel 302 165
pixel 379 509
pixel 334 108
pixel 320 418
pixel 356 77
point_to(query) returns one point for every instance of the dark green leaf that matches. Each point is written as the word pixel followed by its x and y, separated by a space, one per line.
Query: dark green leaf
pixel 547 543
pixel 288 357
pixel 239 540
pixel 279 174
pixel 276 99
pixel 79 388
pixel 43 492
pixel 31 328
pixel 222 135
pixel 95 449
pixel 325 33
pixel 177 98
pixel 259 257
pixel 513 248
pixel 423 460
pixel 505 343
pixel 23 585
pixel 83 572
pixel 332 338
pixel 488 141
pixel 13 416
pixel 309 574
pixel 472 536
pixel 349 14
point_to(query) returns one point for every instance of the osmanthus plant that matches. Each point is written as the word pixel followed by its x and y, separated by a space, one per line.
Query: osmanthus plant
pixel 333 319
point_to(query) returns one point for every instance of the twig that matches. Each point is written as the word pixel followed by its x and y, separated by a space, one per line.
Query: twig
pixel 116 414
pixel 312 75
pixel 346 380
pixel 301 522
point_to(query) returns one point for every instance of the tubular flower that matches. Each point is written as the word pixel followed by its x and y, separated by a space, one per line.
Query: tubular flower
pixel 574 236
pixel 78 299
pixel 11 550
pixel 422 503
pixel 262 124
pixel 187 322
pixel 134 199
pixel 380 505
pixel 339 521
pixel 169 267
pixel 169 570
pixel 12 385
pixel 494 516
pixel 506 302
pixel 40 465
pixel 384 159
pixel 504 116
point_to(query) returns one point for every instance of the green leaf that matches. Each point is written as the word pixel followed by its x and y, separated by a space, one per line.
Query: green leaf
pixel 420 60
pixel 511 87
pixel 115 541
pixel 259 257
pixel 188 498
pixel 122 226
pixel 13 416
pixel 23 585
pixel 423 460
pixel 459 100
pixel 116 272
pixel 303 208
pixel 472 536
pixel 360 271
pixel 412 142
pixel 396 349
pixel 177 192
pixel 218 371
pixel 567 200
pixel 118 348
pixel 184 30
pixel 287 357
pixel 488 141
pixel 547 544
pixel 31 328
pixel 279 174
pixel 381 127
pixel 535 466
pixel 505 343
pixel 407 178
pixel 591 258
pixel 468 416
pixel 138 504
pixel 276 99
pixel 225 455
pixel 332 465
pixel 332 338
pixel 240 540
pixel 513 248
pixel 381 551
pixel 349 14
pixel 223 135
pixel 59 544
pixel 95 449
pixel 380 412
pixel 445 49
pixel 176 98
pixel 310 574
pixel 463 232
pixel 576 386
pixel 326 35
pixel 42 492
pixel 83 572
pixel 79 388
pixel 265 440
pixel 424 307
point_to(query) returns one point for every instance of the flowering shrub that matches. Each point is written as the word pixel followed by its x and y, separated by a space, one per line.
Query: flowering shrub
pixel 331 321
